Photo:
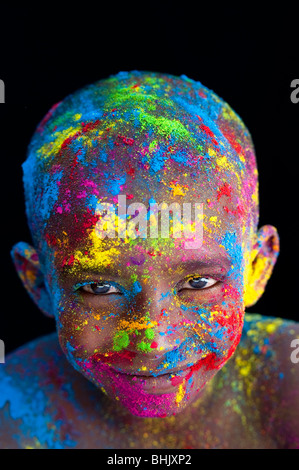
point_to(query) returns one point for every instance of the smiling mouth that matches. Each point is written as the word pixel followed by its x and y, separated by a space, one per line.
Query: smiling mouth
pixel 166 383
pixel 157 385
pixel 163 383
pixel 148 376
pixel 110 362
pixel 179 369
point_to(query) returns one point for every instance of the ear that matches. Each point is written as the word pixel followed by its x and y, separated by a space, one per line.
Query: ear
pixel 262 259
pixel 26 261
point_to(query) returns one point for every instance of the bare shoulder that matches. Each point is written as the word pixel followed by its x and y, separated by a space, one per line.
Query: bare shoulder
pixel 29 384
pixel 269 353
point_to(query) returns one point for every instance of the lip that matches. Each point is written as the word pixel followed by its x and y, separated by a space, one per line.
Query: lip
pixel 147 376
pixel 160 384
pixel 180 368
pixel 155 385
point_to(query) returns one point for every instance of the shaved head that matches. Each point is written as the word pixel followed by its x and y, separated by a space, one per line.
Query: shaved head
pixel 132 132
pixel 131 304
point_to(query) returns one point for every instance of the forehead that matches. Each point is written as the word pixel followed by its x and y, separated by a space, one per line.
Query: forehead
pixel 167 156
pixel 89 172
pixel 145 136
pixel 71 229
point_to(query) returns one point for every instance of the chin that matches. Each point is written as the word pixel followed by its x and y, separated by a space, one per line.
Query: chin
pixel 163 405
pixel 154 406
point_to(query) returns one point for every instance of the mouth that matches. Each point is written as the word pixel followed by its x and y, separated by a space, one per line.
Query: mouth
pixel 99 358
pixel 161 384
pixel 164 383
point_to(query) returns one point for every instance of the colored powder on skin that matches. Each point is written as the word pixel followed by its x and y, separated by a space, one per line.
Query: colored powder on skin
pixel 143 323
pixel 126 357
pixel 164 141
pixel 180 394
pixel 150 334
pixel 143 346
pixel 146 116
pixel 120 340
pixel 96 258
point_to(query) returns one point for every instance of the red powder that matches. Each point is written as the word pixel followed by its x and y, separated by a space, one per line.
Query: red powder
pixel 131 172
pixel 225 190
pixel 126 140
pixel 89 219
pixel 69 261
pixel 68 140
pixel 176 380
pixel 207 130
pixel 210 362
pixel 90 125
pixel 123 356
pixel 50 239
pixel 239 211
pixel 229 134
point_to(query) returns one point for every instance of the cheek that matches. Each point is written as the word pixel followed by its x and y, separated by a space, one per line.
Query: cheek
pixel 85 330
pixel 219 328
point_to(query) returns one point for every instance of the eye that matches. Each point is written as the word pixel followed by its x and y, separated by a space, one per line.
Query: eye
pixel 199 283
pixel 98 288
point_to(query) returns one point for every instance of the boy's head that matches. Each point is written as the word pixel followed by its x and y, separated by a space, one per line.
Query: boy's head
pixel 141 315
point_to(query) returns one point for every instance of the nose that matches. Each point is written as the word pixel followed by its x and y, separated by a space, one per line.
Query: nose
pixel 154 320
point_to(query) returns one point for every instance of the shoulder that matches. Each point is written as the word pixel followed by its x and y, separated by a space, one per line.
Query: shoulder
pixel 271 348
pixel 29 379
pixel 269 335
pixel 272 338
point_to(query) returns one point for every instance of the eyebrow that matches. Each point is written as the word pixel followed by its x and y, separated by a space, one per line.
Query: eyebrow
pixel 79 268
pixel 212 262
pixel 191 264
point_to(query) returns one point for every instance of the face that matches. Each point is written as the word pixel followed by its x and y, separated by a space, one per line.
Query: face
pixel 147 320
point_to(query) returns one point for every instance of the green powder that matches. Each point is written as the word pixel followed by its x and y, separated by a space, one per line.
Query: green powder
pixel 120 340
pixel 149 333
pixel 144 347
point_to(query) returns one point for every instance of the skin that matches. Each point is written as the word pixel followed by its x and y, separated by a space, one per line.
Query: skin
pixel 153 322
pixel 48 404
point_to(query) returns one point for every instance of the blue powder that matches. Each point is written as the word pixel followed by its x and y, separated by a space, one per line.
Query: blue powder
pixel 136 287
pixel 113 186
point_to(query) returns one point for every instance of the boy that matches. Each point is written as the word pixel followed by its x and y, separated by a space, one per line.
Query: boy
pixel 155 323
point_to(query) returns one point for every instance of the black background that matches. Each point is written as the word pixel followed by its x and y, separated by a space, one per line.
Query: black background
pixel 247 56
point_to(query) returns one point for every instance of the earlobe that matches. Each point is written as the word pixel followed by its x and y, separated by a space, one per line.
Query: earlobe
pixel 263 257
pixel 26 262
